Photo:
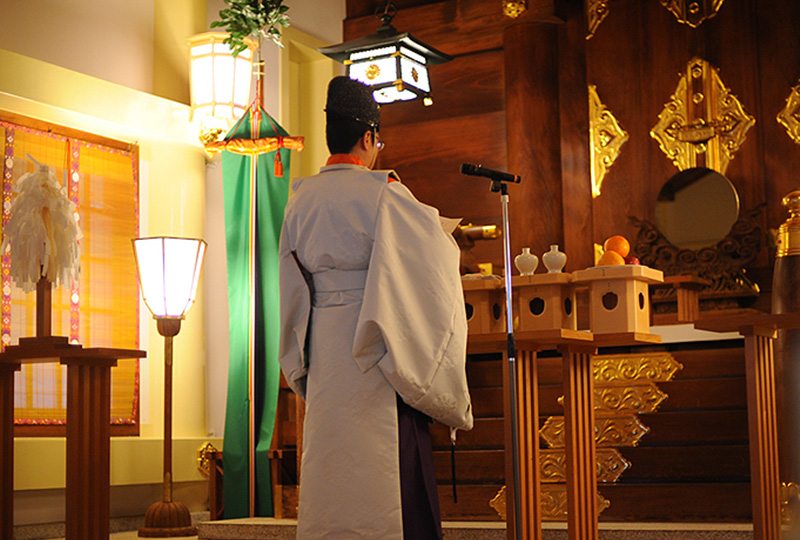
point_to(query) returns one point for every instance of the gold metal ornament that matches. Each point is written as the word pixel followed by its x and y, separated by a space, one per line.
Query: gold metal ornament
pixel 692 12
pixel 606 138
pixel 703 124
pixel 789 117
pixel 499 503
pixel 616 368
pixel 614 400
pixel 610 465
pixel 625 430
pixel 596 11
pixel 514 8
pixel 372 71
pixel 204 459
pixel 789 491
pixel 554 502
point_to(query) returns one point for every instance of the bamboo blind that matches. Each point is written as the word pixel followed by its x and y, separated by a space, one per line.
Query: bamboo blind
pixel 101 310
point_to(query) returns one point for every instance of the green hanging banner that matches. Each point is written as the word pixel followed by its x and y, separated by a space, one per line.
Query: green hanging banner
pixel 255 190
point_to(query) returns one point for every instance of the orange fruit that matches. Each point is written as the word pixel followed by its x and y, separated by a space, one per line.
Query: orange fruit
pixel 611 258
pixel 619 244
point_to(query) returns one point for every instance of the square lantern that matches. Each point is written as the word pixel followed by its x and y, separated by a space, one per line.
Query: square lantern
pixel 619 297
pixel 545 302
pixel 394 64
pixel 220 82
pixel 485 303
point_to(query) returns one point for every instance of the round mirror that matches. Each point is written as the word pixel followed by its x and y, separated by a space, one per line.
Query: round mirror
pixel 696 208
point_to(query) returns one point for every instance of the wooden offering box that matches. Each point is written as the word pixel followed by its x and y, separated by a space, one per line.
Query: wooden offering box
pixel 545 301
pixel 619 302
pixel 486 305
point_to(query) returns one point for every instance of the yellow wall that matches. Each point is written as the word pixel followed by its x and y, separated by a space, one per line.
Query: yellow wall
pixel 172 172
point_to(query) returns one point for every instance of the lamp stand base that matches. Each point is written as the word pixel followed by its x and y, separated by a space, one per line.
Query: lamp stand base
pixel 167 519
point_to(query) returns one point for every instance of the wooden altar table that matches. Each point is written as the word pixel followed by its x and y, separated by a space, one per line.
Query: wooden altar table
pixel 759 330
pixel 88 430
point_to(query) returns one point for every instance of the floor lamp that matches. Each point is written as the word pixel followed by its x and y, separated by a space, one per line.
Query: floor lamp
pixel 169 269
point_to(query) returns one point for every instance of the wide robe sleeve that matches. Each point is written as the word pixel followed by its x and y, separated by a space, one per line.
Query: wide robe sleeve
pixel 412 323
pixel 295 314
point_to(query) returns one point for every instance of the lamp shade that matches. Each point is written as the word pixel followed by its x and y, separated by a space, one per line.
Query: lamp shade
pixel 169 270
pixel 220 82
pixel 393 63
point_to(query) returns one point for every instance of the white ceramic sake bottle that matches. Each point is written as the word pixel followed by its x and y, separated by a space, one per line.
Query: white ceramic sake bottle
pixel 526 262
pixel 554 260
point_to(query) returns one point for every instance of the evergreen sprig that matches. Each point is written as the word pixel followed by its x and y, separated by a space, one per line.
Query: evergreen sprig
pixel 252 18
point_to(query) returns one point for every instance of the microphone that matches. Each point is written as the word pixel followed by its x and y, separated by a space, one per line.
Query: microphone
pixel 477 170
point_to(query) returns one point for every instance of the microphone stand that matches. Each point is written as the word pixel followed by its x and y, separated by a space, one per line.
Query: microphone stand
pixel 501 187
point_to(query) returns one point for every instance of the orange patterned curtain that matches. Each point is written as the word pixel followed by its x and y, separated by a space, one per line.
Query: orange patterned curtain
pixel 101 310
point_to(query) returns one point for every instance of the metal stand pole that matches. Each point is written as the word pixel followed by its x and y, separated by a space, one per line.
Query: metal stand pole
pixel 512 354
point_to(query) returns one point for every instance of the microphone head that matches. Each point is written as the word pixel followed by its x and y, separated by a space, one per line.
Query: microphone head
pixel 468 168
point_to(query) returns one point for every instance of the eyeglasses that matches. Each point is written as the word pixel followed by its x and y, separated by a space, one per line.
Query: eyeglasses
pixel 378 141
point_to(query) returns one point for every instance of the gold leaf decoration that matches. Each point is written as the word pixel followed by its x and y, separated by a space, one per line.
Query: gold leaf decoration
pixel 514 8
pixel 625 430
pixel 596 11
pixel 627 399
pixel 554 502
pixel 615 368
pixel 703 123
pixel 789 117
pixel 692 12
pixel 610 465
pixel 606 138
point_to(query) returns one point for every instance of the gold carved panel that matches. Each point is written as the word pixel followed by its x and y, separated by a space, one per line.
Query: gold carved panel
pixel 596 11
pixel 606 137
pixel 692 12
pixel 631 368
pixel 789 117
pixel 553 503
pixel 610 465
pixel 624 430
pixel 514 8
pixel 703 124
pixel 613 400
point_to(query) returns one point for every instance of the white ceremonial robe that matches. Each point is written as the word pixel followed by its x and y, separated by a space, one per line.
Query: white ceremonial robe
pixel 387 318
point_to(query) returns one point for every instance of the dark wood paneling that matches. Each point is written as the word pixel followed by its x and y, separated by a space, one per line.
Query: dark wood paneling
pixel 434 175
pixel 696 427
pixel 472 466
pixel 456 26
pixel 675 502
pixel 487 434
pixel 697 463
pixel 473 502
pixel 468 85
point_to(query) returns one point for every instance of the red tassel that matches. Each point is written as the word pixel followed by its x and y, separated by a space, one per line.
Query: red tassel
pixel 278 163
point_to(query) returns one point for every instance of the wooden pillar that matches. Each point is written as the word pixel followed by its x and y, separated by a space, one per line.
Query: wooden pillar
pixel 576 172
pixel 533 135
pixel 579 438
pixel 528 431
pixel 88 463
pixel 764 479
pixel 7 451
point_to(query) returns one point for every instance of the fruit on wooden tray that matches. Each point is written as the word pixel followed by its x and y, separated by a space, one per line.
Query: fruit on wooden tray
pixel 611 258
pixel 618 244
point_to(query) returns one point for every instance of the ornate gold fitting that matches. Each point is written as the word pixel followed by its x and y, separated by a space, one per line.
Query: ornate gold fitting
pixel 703 124
pixel 789 117
pixel 788 240
pixel 514 8
pixel 596 11
pixel 692 12
pixel 606 138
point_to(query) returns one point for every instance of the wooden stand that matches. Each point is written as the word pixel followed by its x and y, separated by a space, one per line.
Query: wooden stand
pixel 759 330
pixel 88 424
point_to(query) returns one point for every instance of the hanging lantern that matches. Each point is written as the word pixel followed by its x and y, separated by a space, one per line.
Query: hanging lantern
pixel 394 64
pixel 220 82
